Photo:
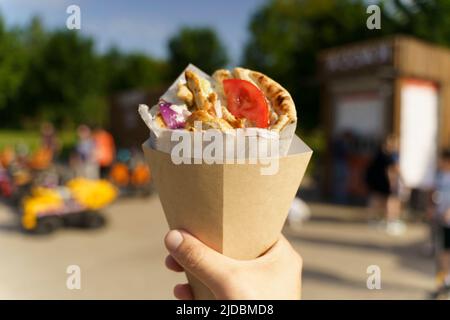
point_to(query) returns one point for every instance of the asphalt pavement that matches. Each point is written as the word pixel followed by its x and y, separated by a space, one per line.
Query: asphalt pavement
pixel 124 260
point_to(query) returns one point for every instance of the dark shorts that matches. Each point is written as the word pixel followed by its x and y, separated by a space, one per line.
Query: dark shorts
pixel 446 237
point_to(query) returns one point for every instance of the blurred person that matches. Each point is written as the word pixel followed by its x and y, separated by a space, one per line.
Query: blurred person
pixel 41 159
pixel 49 140
pixel 274 275
pixel 7 156
pixel 86 164
pixel 340 153
pixel 395 225
pixel 383 180
pixel 19 168
pixel 441 219
pixel 105 150
pixel 378 183
pixel 6 189
pixel 22 155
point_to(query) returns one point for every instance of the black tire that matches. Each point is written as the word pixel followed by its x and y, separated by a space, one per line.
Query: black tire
pixel 73 220
pixel 47 225
pixel 92 220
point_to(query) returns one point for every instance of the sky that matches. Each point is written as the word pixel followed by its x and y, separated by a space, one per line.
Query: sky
pixel 141 25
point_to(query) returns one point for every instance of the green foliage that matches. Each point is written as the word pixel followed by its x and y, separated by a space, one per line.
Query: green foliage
pixel 48 76
pixel 32 138
pixel 134 70
pixel 200 46
pixel 286 36
pixel 61 78
pixel 58 76
pixel 13 63
pixel 425 19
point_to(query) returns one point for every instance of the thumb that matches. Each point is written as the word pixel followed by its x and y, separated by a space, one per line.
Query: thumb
pixel 194 256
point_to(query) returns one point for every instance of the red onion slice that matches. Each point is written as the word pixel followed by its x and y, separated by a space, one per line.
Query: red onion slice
pixel 172 119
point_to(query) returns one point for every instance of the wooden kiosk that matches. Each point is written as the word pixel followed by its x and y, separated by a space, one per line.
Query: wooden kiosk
pixel 397 85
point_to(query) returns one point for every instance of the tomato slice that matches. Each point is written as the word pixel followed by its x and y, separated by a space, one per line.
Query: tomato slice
pixel 245 100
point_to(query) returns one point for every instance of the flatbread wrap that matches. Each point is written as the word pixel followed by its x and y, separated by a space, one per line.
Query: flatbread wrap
pixel 241 98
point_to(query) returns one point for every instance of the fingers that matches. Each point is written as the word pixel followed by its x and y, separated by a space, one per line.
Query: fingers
pixel 183 292
pixel 204 263
pixel 172 264
pixel 280 252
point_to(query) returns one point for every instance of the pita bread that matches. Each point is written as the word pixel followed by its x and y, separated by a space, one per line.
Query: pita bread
pixel 202 96
pixel 243 74
pixel 283 109
pixel 279 97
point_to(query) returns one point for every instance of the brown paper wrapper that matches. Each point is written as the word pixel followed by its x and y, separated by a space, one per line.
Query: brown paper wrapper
pixel 232 208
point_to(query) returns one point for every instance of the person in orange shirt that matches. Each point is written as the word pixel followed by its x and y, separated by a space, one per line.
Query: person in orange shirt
pixel 49 140
pixel 105 150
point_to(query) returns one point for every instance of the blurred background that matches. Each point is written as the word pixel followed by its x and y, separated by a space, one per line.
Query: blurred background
pixel 373 104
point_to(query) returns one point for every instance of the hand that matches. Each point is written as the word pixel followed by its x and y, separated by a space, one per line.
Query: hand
pixel 274 275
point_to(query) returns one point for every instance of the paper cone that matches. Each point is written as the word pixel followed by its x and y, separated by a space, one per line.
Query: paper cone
pixel 232 208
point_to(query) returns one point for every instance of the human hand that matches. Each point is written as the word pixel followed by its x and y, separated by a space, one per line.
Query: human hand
pixel 274 275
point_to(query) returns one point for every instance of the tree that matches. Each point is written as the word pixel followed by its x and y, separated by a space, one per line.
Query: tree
pixel 32 38
pixel 200 46
pixel 425 19
pixel 286 36
pixel 62 79
pixel 134 70
pixel 58 76
pixel 13 65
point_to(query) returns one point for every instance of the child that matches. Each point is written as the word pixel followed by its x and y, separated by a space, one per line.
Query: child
pixel 442 218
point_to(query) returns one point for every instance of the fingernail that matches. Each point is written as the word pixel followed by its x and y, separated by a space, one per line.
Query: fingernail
pixel 173 240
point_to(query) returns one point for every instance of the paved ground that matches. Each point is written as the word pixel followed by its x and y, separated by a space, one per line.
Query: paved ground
pixel 337 246
pixel 125 259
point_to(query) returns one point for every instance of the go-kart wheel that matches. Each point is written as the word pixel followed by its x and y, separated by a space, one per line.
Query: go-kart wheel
pixel 46 225
pixel 73 220
pixel 92 220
